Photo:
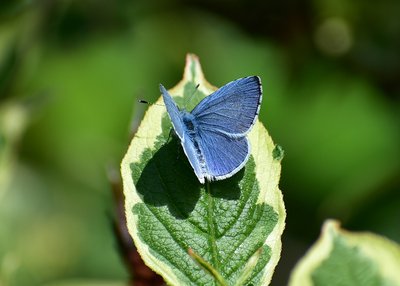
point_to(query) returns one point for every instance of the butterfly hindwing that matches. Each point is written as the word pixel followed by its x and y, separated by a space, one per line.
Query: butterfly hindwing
pixel 224 156
pixel 232 109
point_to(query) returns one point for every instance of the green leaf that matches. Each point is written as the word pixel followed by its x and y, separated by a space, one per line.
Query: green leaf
pixel 344 258
pixel 225 223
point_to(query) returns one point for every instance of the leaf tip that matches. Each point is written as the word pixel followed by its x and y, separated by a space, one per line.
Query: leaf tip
pixel 193 71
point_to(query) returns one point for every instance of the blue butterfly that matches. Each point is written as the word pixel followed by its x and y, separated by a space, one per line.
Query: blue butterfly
pixel 213 135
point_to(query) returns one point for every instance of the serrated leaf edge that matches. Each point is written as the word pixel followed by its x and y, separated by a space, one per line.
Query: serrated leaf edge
pixel 259 137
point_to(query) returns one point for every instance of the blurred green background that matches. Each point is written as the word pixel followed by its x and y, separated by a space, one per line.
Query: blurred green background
pixel 70 75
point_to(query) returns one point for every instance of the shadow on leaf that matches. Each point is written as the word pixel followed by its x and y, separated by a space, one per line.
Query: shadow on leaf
pixel 167 179
pixel 228 189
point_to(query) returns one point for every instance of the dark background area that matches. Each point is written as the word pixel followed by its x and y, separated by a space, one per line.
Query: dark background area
pixel 70 76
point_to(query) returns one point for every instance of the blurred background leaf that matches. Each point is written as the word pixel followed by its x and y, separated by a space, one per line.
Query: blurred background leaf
pixel 74 69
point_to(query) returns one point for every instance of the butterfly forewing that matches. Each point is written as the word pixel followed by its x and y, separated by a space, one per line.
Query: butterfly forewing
pixel 232 109
pixel 173 112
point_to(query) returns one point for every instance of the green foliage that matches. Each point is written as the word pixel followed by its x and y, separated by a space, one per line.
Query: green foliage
pixel 13 121
pixel 85 63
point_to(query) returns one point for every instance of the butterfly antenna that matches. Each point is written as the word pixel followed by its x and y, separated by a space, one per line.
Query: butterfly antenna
pixel 148 103
pixel 191 96
pixel 143 101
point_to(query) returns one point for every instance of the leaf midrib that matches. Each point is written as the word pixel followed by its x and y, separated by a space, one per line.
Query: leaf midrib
pixel 211 230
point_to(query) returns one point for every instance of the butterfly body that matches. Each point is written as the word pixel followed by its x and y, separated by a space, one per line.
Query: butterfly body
pixel 190 122
pixel 213 134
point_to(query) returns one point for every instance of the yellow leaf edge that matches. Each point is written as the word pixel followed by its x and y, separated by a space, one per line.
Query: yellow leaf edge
pixel 384 252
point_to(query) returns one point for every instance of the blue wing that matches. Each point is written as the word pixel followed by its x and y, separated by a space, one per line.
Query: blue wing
pixel 173 112
pixel 232 109
pixel 196 159
pixel 224 156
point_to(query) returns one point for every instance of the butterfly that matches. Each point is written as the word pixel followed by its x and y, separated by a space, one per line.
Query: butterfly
pixel 214 134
